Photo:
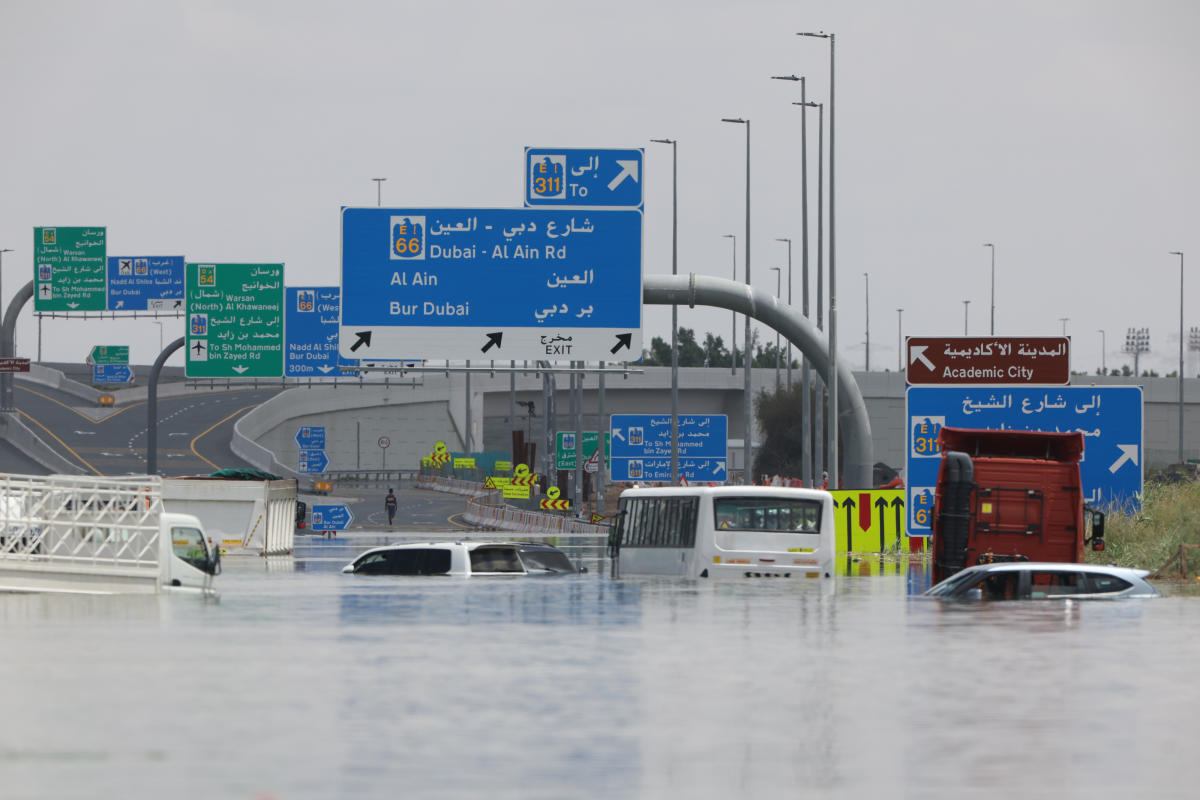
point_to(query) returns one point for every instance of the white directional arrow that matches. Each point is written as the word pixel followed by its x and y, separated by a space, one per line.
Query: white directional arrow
pixel 616 434
pixel 1129 452
pixel 719 467
pixel 240 369
pixel 917 353
pixel 72 305
pixel 326 369
pixel 629 169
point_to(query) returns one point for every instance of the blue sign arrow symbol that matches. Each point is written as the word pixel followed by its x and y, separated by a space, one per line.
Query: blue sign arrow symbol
pixel 629 169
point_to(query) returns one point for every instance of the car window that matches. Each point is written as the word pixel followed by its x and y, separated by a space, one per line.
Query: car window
pixel 410 561
pixel 547 560
pixel 1047 584
pixel 1101 584
pixel 496 559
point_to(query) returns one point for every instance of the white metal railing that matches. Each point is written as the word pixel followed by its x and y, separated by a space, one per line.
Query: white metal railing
pixel 76 520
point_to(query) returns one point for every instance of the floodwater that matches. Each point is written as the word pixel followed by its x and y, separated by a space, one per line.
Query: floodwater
pixel 302 682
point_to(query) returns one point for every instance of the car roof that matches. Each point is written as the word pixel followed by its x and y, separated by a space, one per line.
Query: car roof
pixel 1057 566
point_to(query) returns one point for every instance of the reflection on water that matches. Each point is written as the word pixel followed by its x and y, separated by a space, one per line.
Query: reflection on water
pixel 303 682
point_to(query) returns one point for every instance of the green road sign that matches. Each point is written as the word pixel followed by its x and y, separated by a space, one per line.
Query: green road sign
pixel 70 269
pixel 564 450
pixel 112 354
pixel 235 320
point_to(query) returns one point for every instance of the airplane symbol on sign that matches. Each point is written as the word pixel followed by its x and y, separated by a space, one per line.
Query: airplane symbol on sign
pixel 198 347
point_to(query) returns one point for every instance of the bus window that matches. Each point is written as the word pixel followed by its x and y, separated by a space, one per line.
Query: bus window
pixel 783 514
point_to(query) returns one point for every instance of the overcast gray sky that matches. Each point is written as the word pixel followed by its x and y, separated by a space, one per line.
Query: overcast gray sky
pixel 1063 131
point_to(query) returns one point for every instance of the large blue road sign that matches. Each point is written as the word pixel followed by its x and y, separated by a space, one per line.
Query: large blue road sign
pixel 145 283
pixel 1109 417
pixel 566 176
pixel 310 320
pixel 530 283
pixel 310 437
pixel 312 461
pixel 331 518
pixel 111 373
pixel 641 447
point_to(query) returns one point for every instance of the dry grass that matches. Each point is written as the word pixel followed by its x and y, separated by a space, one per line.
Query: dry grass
pixel 1170 516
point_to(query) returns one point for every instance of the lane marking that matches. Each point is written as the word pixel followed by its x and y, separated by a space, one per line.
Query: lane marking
pixel 202 434
pixel 52 435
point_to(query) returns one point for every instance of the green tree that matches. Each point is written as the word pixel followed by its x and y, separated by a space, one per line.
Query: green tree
pixel 778 415
pixel 715 353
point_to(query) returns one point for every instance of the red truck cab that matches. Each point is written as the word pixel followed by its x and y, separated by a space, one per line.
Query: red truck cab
pixel 1008 496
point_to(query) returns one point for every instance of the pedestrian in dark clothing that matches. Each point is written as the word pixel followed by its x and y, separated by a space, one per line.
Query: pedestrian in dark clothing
pixel 389 503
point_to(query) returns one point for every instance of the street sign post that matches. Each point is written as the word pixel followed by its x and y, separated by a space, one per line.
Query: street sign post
pixel 109 354
pixel 579 176
pixel 68 269
pixel 311 332
pixel 145 283
pixel 564 450
pixel 111 373
pixel 331 518
pixel 989 360
pixel 641 447
pixel 234 320
pixel 310 442
pixel 1109 417
pixel 528 283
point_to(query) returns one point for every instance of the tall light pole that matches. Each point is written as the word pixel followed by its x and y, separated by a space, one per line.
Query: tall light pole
pixel 749 421
pixel 778 281
pixel 789 301
pixel 899 340
pixel 818 418
pixel 867 297
pixel 1180 254
pixel 966 305
pixel 733 335
pixel 674 310
pixel 1064 321
pixel 833 355
pixel 1103 349
pixel 1137 341
pixel 989 244
pixel 379 190
pixel 160 334
pixel 2 252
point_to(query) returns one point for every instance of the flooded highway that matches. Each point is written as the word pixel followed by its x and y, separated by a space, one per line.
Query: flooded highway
pixel 302 682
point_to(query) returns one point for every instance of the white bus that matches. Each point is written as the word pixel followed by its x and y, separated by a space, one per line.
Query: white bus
pixel 725 531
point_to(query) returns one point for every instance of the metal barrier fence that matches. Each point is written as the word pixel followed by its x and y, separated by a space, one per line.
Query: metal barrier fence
pixel 372 477
pixel 486 508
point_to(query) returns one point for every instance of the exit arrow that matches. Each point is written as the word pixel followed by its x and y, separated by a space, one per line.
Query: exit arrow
pixel 629 169
pixel 849 505
pixel 493 341
pixel 881 504
pixel 917 353
pixel 326 369
pixel 239 369
pixel 623 340
pixel 364 337
pixel 1129 452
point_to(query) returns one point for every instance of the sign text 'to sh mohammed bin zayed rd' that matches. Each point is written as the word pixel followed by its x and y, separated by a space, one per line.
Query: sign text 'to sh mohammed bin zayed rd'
pixel 235 320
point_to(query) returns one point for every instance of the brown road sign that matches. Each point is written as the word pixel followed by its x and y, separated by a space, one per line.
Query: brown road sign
pixel 940 360
pixel 14 365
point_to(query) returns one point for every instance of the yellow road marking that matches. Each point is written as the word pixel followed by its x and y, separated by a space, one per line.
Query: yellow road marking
pixel 60 441
pixel 204 433
pixel 76 411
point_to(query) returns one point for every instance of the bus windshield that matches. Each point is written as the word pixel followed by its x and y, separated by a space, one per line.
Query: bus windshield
pixel 767 514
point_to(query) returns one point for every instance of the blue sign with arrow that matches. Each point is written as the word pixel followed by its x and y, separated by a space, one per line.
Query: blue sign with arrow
pixel 331 518
pixel 310 437
pixel 145 283
pixel 566 176
pixel 530 283
pixel 1109 417
pixel 111 373
pixel 641 447
pixel 312 462
pixel 311 333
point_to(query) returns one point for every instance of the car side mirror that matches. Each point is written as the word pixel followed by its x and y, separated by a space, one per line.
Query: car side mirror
pixel 973 594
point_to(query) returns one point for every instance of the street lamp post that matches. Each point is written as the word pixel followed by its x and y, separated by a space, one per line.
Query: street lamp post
pixel 778 281
pixel 867 298
pixel 899 340
pixel 160 334
pixel 833 355
pixel 966 305
pixel 733 335
pixel 1064 321
pixel 1180 254
pixel 1103 349
pixel 379 190
pixel 989 244
pixel 674 310
pixel 789 301
pixel 818 417
pixel 748 419
pixel 2 252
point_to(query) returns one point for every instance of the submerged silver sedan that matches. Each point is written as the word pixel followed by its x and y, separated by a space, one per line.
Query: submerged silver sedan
pixel 1030 580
